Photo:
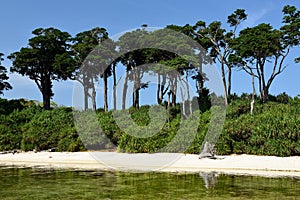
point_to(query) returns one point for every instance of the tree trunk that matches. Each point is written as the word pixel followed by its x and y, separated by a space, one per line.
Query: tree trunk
pixel 93 96
pixel 169 104
pixel 125 91
pixel 183 104
pixel 253 93
pixel 229 82
pixel 137 98
pixel 158 92
pixel 86 96
pixel 200 81
pixel 188 94
pixel 264 91
pixel 115 87
pixel 162 88
pixel 224 83
pixel 46 101
pixel 265 94
pixel 137 89
pixel 105 91
pixel 46 92
pixel 174 92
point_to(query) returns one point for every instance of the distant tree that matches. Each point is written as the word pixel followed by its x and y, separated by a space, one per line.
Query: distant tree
pixel 47 58
pixel 4 85
pixel 86 74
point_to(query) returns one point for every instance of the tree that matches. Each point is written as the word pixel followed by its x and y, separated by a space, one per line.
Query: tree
pixel 216 40
pixel 4 85
pixel 204 58
pixel 291 27
pixel 259 47
pixel 132 57
pixel 103 58
pixel 84 43
pixel 47 58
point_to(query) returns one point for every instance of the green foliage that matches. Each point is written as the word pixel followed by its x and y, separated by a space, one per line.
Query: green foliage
pixel 273 129
pixel 11 126
pixel 51 129
pixel 24 125
pixel 46 58
pixel 4 85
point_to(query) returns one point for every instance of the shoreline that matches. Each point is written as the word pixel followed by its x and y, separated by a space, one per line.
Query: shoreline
pixel 249 165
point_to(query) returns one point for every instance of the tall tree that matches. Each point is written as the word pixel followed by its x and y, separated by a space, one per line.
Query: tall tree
pixel 84 43
pixel 106 66
pixel 47 58
pixel 216 40
pixel 203 57
pixel 258 48
pixel 4 85
pixel 132 56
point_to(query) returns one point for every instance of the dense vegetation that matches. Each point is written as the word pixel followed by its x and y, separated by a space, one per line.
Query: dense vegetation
pixel 273 129
pixel 175 54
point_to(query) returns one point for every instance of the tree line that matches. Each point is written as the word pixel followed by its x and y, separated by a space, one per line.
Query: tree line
pixel 52 54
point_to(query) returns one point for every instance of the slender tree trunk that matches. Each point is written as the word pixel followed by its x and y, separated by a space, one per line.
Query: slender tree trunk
pixel 162 88
pixel 174 92
pixel 200 81
pixel 86 96
pixel 169 105
pixel 265 91
pixel 105 91
pixel 229 82
pixel 224 83
pixel 158 92
pixel 183 104
pixel 125 91
pixel 253 93
pixel 94 98
pixel 137 89
pixel 259 82
pixel 115 87
pixel 188 94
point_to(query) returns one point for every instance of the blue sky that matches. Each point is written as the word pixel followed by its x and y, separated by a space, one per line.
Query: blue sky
pixel 19 18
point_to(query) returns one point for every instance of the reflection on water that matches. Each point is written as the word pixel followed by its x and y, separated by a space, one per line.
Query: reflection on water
pixel 209 178
pixel 49 184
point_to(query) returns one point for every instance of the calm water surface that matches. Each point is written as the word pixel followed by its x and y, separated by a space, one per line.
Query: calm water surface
pixel 50 184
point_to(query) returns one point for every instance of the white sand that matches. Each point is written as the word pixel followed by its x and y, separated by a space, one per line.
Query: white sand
pixel 269 166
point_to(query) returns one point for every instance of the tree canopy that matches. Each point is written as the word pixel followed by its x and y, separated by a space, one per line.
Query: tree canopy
pixel 47 58
pixel 4 85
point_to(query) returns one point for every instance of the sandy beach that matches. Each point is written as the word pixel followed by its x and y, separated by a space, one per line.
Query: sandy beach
pixel 267 166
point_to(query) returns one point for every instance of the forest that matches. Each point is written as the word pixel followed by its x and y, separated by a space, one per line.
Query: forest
pixel 257 123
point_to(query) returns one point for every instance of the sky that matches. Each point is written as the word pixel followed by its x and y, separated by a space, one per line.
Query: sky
pixel 19 18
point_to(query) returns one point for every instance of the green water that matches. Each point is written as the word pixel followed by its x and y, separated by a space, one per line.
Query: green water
pixel 49 184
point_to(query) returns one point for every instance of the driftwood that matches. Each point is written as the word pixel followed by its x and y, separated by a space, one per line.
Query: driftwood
pixel 208 151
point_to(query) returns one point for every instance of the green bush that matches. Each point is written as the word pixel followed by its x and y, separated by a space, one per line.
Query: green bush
pixel 51 129
pixel 273 129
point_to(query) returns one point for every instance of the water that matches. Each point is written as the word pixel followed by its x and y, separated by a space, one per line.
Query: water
pixel 50 184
